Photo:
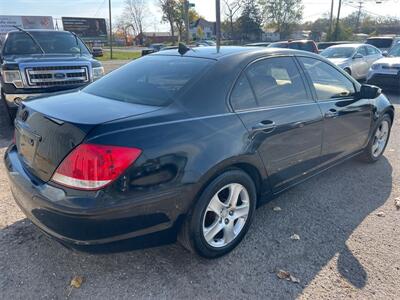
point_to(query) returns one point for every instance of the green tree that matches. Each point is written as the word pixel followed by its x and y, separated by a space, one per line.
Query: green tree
pixel 169 10
pixel 284 14
pixel 250 21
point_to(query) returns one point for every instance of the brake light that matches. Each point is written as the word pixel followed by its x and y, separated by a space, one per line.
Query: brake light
pixel 92 167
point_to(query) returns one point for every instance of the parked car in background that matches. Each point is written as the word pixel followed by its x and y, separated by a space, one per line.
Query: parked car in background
pixel 152 49
pixel 324 45
pixel 385 72
pixel 189 142
pixel 305 45
pixel 97 51
pixel 261 44
pixel 383 43
pixel 39 62
pixel 355 59
pixel 205 43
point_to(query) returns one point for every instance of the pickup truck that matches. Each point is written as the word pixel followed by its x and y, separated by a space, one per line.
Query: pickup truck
pixel 36 63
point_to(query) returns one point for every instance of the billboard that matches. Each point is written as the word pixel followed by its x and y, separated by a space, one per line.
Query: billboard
pixel 26 22
pixel 88 29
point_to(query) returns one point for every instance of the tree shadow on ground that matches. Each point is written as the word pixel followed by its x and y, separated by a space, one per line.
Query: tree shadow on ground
pixel 324 211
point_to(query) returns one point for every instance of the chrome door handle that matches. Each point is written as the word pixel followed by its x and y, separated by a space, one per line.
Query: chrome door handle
pixel 266 126
pixel 331 113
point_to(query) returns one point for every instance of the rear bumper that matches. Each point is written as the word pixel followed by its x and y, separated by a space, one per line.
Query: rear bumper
pixel 93 220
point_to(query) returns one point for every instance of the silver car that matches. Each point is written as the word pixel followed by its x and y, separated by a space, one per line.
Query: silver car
pixel 355 59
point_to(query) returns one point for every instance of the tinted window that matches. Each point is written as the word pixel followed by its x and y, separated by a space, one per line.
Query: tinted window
pixel 242 95
pixel 302 46
pixel 381 42
pixel 19 43
pixel 150 80
pixel 277 81
pixel 328 82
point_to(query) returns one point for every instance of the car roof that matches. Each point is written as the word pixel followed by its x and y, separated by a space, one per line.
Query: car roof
pixel 229 51
pixel 348 46
pixel 38 30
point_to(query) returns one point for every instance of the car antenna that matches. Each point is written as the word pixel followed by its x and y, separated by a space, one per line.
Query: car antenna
pixel 182 49
pixel 77 43
pixel 31 36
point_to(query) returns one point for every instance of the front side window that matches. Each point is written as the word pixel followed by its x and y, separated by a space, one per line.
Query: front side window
pixel 277 81
pixel 328 82
pixel 362 51
pixel 150 80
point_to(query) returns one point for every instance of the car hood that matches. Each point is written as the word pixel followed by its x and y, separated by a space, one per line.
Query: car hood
pixel 339 61
pixel 395 61
pixel 46 58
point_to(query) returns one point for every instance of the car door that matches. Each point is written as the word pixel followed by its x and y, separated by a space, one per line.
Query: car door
pixel 284 123
pixel 360 63
pixel 373 55
pixel 347 119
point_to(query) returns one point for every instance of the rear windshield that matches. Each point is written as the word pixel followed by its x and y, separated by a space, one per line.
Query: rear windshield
pixel 302 46
pixel 150 80
pixel 380 43
pixel 338 52
pixel 56 42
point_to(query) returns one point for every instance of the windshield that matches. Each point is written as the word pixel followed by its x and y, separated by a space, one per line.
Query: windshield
pixel 395 50
pixel 338 52
pixel 380 43
pixel 150 80
pixel 55 42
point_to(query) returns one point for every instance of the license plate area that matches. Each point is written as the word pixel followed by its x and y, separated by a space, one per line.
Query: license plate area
pixel 27 144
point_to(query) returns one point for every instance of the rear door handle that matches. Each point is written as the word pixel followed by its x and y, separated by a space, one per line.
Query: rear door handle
pixel 266 126
pixel 332 113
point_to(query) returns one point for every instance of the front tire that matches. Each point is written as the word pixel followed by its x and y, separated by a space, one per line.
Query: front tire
pixel 222 215
pixel 379 140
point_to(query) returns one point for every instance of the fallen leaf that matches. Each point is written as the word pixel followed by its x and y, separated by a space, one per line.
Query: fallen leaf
pixel 397 202
pixel 294 279
pixel 380 214
pixel 276 208
pixel 295 237
pixel 76 282
pixel 282 274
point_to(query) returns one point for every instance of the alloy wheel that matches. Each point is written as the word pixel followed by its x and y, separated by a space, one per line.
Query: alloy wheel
pixel 380 138
pixel 226 215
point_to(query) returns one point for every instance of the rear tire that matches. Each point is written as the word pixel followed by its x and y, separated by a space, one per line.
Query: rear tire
pixel 379 140
pixel 222 215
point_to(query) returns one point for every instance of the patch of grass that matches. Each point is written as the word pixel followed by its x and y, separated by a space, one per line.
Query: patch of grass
pixel 120 55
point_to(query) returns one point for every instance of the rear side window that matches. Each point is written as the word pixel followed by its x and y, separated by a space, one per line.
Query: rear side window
pixel 151 80
pixel 242 96
pixel 277 81
pixel 328 82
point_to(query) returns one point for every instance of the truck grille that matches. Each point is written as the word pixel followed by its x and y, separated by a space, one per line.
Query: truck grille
pixel 57 75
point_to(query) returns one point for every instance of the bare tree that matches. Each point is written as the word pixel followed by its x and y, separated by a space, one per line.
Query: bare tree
pixel 231 9
pixel 136 11
pixel 170 10
pixel 124 28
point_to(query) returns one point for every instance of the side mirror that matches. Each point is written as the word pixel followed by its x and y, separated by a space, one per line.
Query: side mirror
pixel 385 53
pixel 358 56
pixel 369 91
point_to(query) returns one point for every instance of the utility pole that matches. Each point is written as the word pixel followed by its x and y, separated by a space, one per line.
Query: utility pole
pixel 360 6
pixel 331 21
pixel 186 10
pixel 111 39
pixel 337 20
pixel 218 22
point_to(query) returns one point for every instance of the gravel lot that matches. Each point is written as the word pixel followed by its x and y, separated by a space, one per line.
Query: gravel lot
pixel 349 246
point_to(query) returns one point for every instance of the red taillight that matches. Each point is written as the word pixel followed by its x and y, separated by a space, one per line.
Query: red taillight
pixel 91 167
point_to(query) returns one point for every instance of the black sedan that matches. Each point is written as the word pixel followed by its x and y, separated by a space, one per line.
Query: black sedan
pixel 188 144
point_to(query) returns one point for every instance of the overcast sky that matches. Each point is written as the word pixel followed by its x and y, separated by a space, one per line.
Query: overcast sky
pixel 99 8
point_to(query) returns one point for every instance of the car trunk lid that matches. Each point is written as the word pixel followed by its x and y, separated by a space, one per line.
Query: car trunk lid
pixel 47 129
